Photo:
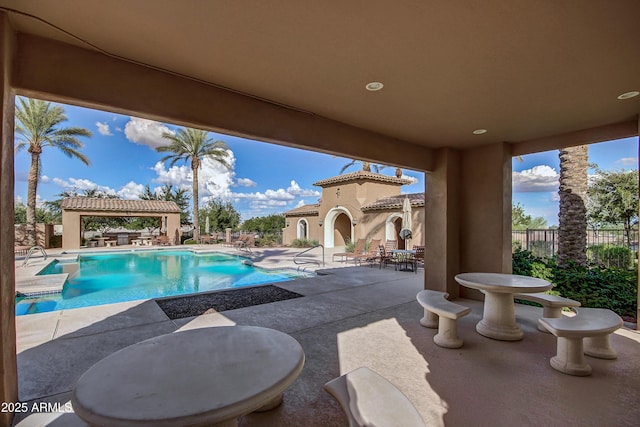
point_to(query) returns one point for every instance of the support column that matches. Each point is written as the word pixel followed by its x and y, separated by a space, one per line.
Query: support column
pixel 485 211
pixel 441 225
pixel 8 363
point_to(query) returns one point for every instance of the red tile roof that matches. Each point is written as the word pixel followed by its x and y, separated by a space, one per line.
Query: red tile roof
pixel 304 210
pixel 119 205
pixel 395 202
pixel 362 176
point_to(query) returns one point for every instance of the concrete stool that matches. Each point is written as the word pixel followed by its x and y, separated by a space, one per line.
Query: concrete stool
pixel 443 314
pixel 368 399
pixel 552 305
pixel 595 324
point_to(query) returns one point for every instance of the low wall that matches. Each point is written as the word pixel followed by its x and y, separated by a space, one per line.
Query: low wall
pixel 44 233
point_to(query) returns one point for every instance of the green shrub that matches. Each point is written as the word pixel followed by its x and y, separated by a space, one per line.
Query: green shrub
pixel 189 242
pixel 594 286
pixel 610 256
pixel 268 240
pixel 304 243
pixel 350 246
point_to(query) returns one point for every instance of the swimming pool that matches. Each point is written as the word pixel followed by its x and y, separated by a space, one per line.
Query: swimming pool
pixel 126 276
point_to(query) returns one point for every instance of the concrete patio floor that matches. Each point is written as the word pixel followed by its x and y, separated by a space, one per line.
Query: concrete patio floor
pixel 352 317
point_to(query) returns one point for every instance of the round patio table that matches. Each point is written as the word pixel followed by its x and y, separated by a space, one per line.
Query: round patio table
pixel 499 317
pixel 201 377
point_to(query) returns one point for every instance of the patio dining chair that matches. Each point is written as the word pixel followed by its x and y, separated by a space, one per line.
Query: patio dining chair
pixel 391 245
pixel 386 257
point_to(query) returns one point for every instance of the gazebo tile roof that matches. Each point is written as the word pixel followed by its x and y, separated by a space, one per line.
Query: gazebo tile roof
pixel 395 202
pixel 362 175
pixel 119 205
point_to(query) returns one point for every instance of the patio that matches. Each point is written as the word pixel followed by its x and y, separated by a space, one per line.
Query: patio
pixel 351 317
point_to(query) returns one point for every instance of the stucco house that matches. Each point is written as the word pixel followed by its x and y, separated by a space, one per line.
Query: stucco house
pixel 357 205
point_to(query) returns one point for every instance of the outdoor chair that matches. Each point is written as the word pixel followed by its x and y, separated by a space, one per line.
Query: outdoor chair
pixel 247 243
pixel 371 255
pixel 386 257
pixel 358 252
pixel 163 240
pixel 391 245
pixel 240 241
pixel 419 255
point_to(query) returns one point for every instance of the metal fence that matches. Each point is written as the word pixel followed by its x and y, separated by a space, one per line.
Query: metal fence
pixel 609 247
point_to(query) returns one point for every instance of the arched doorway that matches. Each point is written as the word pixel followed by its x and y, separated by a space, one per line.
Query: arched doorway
pixel 303 229
pixel 393 225
pixel 338 227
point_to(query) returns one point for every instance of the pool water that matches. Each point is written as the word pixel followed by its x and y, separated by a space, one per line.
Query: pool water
pixel 127 276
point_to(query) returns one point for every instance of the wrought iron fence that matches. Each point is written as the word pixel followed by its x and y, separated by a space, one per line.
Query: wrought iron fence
pixel 611 247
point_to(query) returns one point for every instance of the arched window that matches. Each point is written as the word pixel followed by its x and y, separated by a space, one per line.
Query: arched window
pixel 303 229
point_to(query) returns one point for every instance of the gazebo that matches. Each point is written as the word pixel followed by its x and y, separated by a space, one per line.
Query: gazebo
pixel 74 208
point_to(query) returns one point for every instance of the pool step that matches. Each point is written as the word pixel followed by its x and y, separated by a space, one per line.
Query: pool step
pixel 41 285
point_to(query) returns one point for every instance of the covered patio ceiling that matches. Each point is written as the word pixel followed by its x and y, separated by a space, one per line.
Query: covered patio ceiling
pixel 524 71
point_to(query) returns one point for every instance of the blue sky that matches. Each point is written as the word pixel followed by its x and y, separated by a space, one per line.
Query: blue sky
pixel 535 178
pixel 264 178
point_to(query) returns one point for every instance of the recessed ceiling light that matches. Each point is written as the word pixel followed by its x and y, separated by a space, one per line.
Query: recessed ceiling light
pixel 628 95
pixel 479 131
pixel 374 86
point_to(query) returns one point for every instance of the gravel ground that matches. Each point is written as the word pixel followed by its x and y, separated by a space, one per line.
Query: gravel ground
pixel 195 305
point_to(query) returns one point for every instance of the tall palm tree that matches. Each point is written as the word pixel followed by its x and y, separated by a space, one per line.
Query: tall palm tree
pixel 192 146
pixel 572 230
pixel 38 126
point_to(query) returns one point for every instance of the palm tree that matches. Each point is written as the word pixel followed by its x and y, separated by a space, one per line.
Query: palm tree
pixel 38 126
pixel 193 145
pixel 572 230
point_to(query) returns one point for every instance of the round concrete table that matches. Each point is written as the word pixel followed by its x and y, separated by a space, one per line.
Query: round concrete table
pixel 499 317
pixel 200 377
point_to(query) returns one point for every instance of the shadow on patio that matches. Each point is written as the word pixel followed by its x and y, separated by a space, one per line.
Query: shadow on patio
pixel 355 317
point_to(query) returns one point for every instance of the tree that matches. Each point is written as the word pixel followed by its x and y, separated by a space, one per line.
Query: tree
pixel 266 224
pixel 169 193
pixel 366 166
pixel 193 146
pixel 613 199
pixel 38 126
pixel 572 231
pixel 221 215
pixel 521 221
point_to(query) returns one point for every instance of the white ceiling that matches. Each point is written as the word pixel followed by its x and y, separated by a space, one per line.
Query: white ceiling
pixel 520 69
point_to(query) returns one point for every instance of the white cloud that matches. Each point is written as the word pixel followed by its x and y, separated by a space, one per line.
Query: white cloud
pixel 300 204
pixel 18 200
pixel 82 184
pixel 178 176
pixel 103 128
pixel 295 189
pixel 214 180
pixel 131 191
pixel 540 178
pixel 410 178
pixel 45 179
pixel 245 182
pixel 146 132
pixel 628 161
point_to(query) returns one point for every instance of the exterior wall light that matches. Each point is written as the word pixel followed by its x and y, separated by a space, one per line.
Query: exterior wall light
pixel 320 222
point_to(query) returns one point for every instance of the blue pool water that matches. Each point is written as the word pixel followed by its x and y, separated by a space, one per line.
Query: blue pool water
pixel 127 276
